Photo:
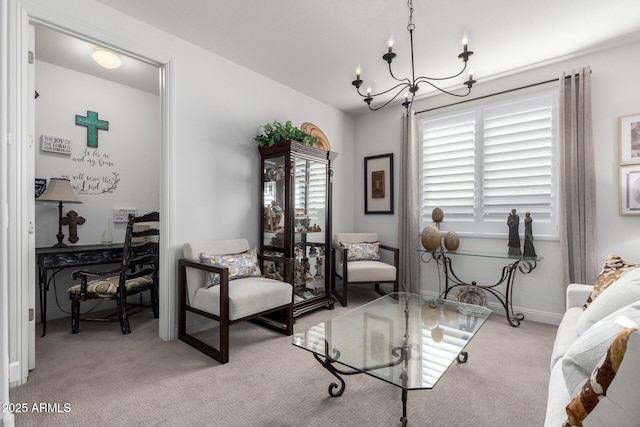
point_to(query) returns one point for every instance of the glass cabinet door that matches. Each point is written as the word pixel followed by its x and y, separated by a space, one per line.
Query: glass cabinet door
pixel 274 203
pixel 310 203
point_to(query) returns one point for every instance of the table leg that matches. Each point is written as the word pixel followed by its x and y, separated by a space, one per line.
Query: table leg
pixel 403 419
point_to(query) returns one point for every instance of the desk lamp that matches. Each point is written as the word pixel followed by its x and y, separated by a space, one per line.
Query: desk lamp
pixel 59 190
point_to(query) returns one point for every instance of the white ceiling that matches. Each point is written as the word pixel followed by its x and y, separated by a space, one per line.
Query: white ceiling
pixel 67 51
pixel 315 46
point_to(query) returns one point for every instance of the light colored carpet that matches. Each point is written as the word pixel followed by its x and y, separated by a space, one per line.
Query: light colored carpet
pixel 109 379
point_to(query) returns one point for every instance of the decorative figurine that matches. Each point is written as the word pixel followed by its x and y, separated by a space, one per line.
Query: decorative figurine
pixel 529 250
pixel 73 220
pixel 513 221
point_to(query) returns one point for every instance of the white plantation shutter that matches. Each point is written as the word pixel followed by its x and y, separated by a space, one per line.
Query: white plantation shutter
pixel 480 164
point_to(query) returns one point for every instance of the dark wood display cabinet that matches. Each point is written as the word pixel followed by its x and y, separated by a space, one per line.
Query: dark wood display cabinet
pixel 296 187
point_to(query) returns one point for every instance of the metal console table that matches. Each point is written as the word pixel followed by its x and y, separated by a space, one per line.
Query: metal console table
pixel 514 264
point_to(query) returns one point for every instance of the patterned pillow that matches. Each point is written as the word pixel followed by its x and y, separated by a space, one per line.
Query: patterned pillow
pixel 614 267
pixel 595 389
pixel 366 251
pixel 240 265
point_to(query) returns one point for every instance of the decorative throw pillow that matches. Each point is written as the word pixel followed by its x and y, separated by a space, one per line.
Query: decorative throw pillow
pixel 625 290
pixel 595 389
pixel 614 267
pixel 240 265
pixel 584 354
pixel 366 251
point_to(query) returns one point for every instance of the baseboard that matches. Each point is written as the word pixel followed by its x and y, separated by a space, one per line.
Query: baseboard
pixel 529 314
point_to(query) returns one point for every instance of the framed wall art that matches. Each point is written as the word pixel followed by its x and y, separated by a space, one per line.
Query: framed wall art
pixel 629 139
pixel 630 190
pixel 378 184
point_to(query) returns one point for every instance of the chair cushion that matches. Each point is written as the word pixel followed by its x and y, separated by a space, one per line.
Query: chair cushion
pixel 364 251
pixel 109 285
pixel 614 267
pixel 240 265
pixel 247 296
pixel 368 271
pixel 196 278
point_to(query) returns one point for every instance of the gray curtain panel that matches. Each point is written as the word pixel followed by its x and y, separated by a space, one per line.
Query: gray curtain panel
pixel 409 207
pixel 577 179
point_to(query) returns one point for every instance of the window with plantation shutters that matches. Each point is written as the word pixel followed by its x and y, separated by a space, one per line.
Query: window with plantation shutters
pixel 479 164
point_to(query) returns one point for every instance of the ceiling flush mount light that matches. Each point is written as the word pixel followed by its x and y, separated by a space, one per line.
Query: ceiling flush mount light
pixel 411 85
pixel 105 58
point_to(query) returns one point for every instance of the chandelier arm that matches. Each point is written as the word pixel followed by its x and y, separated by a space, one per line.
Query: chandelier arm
pixel 426 79
pixel 403 85
pixel 446 91
pixel 388 102
pixel 406 79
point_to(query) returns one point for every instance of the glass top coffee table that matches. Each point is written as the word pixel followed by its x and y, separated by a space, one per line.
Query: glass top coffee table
pixel 404 339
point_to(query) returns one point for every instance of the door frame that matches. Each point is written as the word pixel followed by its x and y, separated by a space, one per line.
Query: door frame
pixel 21 256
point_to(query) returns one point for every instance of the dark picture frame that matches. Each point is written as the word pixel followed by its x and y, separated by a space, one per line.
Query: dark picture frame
pixel 378 184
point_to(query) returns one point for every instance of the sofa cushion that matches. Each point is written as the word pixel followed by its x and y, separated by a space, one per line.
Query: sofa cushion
pixel 240 265
pixel 585 353
pixel 609 396
pixel 247 296
pixel 363 251
pixel 567 333
pixel 614 267
pixel 557 398
pixel 619 294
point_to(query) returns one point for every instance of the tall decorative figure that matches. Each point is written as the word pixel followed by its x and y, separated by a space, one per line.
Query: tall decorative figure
pixel 513 221
pixel 529 250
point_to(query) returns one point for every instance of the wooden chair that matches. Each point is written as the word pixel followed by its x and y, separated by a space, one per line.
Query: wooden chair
pixel 355 263
pixel 230 295
pixel 137 273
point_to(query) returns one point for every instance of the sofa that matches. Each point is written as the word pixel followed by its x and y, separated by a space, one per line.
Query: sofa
pixel 595 362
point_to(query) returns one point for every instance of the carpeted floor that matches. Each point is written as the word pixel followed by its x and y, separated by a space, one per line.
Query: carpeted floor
pixel 100 377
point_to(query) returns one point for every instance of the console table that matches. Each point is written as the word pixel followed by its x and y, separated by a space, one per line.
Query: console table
pixel 513 264
pixel 54 260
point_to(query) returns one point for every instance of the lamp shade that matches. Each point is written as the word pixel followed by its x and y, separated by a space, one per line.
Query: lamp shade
pixel 59 190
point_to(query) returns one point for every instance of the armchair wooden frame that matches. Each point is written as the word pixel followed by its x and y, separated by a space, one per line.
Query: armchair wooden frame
pixel 222 354
pixel 342 298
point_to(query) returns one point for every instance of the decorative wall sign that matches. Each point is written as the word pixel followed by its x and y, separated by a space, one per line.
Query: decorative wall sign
pixel 122 215
pixel 55 144
pixel 630 190
pixel 378 178
pixel 93 124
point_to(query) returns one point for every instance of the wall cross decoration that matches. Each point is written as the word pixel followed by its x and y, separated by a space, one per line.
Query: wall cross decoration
pixel 93 124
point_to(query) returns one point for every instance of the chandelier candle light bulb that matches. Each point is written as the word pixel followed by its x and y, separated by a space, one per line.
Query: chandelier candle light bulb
pixel 412 83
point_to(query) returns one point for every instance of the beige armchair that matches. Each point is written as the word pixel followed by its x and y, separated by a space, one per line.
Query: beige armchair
pixel 222 280
pixel 357 261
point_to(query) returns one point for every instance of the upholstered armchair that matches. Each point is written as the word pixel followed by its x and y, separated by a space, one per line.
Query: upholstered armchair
pixel 357 261
pixel 222 280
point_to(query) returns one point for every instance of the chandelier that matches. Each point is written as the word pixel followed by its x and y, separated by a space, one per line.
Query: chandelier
pixel 411 85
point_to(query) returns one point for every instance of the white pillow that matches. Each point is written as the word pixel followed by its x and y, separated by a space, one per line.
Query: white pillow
pixel 585 353
pixel 617 395
pixel 623 292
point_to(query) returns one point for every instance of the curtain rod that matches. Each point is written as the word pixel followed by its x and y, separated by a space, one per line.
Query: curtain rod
pixel 494 94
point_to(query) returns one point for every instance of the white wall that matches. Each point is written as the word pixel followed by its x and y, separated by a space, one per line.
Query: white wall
pixel 129 150
pixel 217 108
pixel 539 295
